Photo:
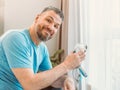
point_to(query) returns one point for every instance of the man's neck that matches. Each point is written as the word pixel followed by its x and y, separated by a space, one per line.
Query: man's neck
pixel 33 36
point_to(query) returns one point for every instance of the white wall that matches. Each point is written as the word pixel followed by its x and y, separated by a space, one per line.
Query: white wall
pixel 21 13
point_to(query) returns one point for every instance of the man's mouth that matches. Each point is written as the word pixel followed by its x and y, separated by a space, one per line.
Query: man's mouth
pixel 47 32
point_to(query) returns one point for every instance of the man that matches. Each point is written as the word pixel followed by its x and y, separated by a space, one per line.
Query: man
pixel 23 53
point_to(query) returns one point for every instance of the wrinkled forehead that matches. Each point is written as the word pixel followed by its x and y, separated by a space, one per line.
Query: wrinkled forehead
pixel 52 14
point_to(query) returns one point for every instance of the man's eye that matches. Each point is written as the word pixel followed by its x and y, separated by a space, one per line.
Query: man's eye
pixel 56 26
pixel 48 20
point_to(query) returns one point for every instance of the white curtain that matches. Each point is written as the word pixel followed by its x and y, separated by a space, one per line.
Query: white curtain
pixel 100 21
pixel 73 30
pixel 104 60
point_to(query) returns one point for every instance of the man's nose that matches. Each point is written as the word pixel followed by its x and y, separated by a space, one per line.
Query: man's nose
pixel 51 27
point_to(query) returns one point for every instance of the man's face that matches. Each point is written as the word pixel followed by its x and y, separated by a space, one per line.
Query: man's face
pixel 47 24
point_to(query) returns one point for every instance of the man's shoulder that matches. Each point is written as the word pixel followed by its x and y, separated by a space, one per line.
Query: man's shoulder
pixel 14 36
pixel 12 33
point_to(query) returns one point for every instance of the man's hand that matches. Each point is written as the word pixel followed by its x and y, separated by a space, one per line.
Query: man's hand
pixel 69 84
pixel 74 60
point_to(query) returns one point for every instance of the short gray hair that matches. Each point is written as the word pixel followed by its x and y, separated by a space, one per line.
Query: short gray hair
pixel 56 10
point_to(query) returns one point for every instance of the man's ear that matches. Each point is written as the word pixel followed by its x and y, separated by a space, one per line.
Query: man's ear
pixel 37 17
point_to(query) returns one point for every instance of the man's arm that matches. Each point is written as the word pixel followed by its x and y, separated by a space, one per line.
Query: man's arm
pixel 31 81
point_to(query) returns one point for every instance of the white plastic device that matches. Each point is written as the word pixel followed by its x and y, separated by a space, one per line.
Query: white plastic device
pixel 77 48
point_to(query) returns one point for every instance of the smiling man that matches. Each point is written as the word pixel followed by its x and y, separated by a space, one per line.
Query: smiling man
pixel 24 58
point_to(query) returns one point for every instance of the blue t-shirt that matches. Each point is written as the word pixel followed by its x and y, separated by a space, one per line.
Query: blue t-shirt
pixel 17 50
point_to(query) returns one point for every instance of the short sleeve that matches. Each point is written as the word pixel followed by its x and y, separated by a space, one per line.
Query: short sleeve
pixel 17 51
pixel 46 63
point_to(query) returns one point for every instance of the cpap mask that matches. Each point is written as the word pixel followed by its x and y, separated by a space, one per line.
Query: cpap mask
pixel 77 48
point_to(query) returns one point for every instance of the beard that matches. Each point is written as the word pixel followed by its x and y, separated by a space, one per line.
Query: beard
pixel 43 36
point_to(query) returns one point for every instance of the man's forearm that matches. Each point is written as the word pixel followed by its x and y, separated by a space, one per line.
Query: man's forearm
pixel 46 78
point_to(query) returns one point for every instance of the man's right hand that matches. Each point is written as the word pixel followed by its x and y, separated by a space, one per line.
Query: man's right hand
pixel 74 60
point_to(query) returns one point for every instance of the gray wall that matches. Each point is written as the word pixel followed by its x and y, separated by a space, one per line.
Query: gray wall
pixel 1 17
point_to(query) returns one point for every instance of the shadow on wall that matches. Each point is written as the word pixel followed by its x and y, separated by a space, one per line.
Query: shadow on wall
pixel 1 17
pixel 1 29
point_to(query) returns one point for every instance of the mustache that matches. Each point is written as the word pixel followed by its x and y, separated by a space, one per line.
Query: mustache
pixel 47 29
